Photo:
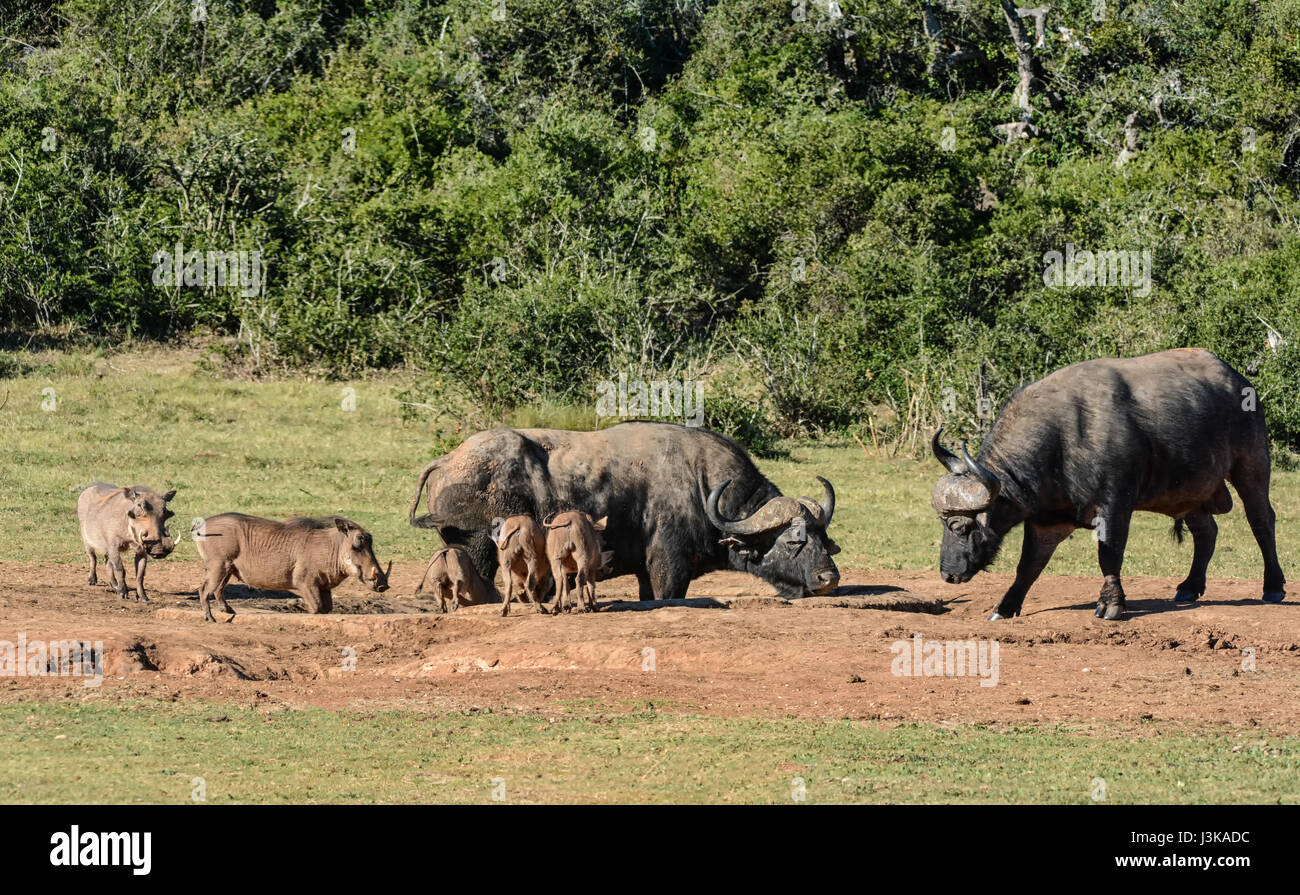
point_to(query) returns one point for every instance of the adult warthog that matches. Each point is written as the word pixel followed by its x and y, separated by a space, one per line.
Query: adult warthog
pixel 114 519
pixel 309 557
pixel 1086 446
pixel 680 501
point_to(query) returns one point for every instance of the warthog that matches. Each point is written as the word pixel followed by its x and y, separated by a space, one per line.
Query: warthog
pixel 521 551
pixel 114 519
pixel 572 547
pixel 309 557
pixel 452 576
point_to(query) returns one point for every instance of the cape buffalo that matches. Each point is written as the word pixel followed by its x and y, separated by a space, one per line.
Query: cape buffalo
pixel 681 501
pixel 1086 446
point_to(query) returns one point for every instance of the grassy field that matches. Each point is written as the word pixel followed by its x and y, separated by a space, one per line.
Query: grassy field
pixel 288 447
pixel 151 752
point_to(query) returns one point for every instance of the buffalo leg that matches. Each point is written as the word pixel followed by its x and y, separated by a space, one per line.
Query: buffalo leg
pixel 94 568
pixel 1252 486
pixel 1112 539
pixel 1205 532
pixel 647 591
pixel 141 562
pixel 1040 543
pixel 669 574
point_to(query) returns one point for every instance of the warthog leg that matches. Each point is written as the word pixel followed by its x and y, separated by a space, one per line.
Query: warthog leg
pixel 221 598
pixel 141 562
pixel 214 581
pixel 319 600
pixel 510 591
pixel 94 568
pixel 117 573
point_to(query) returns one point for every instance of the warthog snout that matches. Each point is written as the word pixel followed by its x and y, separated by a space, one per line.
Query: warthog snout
pixel 380 583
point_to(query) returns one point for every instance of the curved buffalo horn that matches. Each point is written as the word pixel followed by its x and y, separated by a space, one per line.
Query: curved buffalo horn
pixel 775 513
pixel 828 502
pixel 986 478
pixel 950 460
pixel 719 521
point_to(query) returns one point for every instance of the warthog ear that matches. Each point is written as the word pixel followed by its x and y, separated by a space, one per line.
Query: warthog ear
pixel 167 514
pixel 169 495
pixel 600 523
pixel 342 524
pixel 128 493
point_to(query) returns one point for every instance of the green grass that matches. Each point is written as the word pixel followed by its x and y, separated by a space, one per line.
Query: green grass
pixel 283 447
pixel 151 752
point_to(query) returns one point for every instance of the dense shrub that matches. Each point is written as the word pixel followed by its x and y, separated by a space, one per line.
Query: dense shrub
pixel 816 212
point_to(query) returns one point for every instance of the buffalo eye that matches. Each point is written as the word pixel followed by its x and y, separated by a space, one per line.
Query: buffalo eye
pixel 959 525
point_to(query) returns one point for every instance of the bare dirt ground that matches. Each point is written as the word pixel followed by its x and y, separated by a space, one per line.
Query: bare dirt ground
pixel 733 649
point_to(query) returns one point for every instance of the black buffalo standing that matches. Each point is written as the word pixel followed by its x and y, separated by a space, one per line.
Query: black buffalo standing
pixel 681 502
pixel 1086 446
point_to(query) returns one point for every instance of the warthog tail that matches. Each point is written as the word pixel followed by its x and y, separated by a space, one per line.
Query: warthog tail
pixel 427 521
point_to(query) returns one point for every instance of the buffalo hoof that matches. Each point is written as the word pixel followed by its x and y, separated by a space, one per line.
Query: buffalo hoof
pixel 996 617
pixel 1186 596
pixel 1276 597
pixel 1110 611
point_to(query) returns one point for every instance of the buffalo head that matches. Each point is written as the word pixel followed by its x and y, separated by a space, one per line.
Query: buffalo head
pixel 965 500
pixel 784 541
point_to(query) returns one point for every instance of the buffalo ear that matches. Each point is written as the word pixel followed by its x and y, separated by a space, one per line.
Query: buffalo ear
pixel 600 523
pixel 169 495
pixel 832 548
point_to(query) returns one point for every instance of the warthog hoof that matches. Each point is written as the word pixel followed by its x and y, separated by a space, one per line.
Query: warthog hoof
pixel 92 580
pixel 1275 597
pixel 1186 596
pixel 1110 611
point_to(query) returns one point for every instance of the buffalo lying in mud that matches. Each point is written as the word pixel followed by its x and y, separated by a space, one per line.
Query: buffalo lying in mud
pixel 1086 446
pixel 681 502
